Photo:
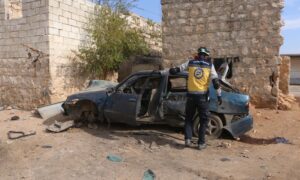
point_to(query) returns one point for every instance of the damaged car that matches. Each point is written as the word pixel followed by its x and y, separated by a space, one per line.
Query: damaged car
pixel 156 97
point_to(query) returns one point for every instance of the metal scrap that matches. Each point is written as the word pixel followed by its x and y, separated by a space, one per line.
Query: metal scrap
pixel 19 134
pixel 50 111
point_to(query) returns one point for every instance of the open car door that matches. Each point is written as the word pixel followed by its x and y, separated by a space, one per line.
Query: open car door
pixel 123 104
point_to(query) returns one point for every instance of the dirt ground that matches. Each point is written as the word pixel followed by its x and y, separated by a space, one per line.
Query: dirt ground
pixel 82 153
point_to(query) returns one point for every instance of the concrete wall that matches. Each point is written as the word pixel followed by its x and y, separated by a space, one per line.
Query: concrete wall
pixel 246 29
pixel 22 82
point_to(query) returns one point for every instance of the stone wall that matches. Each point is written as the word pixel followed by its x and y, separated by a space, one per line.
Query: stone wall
pixel 24 71
pixel 37 38
pixel 246 29
pixel 284 77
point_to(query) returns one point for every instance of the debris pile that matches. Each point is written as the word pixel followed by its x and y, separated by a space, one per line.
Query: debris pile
pixel 285 102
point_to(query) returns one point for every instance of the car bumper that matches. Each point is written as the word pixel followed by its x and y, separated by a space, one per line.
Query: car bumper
pixel 241 126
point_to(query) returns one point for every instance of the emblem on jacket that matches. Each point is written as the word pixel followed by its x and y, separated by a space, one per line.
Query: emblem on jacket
pixel 198 73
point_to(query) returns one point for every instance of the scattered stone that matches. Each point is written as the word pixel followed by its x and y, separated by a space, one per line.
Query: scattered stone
pixel 224 145
pixel 225 159
pixel 141 142
pixel 244 154
pixel 258 113
pixel 285 102
pixel 2 108
pixel 267 118
pixel 46 146
pixel 57 127
pixel 8 108
pixel 153 145
pixel 15 118
pixel 263 167
pixel 269 175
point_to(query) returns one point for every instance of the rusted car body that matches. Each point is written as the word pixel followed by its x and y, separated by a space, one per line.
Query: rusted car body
pixel 156 97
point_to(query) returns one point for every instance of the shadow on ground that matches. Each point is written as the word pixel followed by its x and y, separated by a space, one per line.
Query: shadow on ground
pixel 148 134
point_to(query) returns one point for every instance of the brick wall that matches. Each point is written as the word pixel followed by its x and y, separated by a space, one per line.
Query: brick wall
pixel 246 29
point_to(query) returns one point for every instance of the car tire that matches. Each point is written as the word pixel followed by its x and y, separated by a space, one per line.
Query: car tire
pixel 85 112
pixel 215 126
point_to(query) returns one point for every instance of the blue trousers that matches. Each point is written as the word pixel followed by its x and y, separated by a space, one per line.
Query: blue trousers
pixel 199 103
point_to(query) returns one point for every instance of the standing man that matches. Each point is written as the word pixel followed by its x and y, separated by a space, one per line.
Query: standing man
pixel 201 72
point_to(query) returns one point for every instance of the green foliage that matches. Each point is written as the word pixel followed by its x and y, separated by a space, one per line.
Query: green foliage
pixel 112 40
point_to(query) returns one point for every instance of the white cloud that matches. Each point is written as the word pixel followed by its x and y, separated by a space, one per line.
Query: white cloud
pixel 292 24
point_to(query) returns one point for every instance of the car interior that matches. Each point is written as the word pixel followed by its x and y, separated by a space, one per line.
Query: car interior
pixel 147 90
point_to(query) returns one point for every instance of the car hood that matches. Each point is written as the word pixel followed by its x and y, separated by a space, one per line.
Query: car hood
pixel 96 86
pixel 96 92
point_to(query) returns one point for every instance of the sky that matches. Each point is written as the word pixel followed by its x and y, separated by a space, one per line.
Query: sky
pixel 291 15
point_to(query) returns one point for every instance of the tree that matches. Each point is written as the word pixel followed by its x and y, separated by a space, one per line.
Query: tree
pixel 112 40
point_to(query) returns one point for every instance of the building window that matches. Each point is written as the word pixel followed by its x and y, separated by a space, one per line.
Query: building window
pixel 13 9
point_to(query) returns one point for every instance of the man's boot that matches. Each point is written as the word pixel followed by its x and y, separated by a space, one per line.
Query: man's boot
pixel 188 143
pixel 202 146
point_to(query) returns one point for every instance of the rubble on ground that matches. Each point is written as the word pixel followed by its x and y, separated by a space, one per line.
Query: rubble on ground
pixel 285 102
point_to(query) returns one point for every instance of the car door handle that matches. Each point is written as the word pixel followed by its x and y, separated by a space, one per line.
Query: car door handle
pixel 132 100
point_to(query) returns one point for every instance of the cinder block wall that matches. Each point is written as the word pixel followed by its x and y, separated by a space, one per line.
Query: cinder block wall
pixel 23 82
pixel 246 29
pixel 67 22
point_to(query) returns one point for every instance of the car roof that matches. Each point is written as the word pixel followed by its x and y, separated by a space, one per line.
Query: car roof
pixel 161 72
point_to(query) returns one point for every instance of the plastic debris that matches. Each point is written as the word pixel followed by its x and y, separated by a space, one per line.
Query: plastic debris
pixel 281 140
pixel 114 158
pixel 149 175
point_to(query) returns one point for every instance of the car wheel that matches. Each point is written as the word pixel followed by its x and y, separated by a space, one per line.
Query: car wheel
pixel 88 116
pixel 214 129
pixel 85 112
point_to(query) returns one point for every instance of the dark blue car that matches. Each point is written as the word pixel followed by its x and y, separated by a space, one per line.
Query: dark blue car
pixel 156 97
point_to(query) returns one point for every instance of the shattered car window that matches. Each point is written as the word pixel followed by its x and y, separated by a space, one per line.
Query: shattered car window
pixel 133 85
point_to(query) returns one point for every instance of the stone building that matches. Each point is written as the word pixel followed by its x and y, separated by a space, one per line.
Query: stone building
pixel 244 32
pixel 295 69
pixel 36 39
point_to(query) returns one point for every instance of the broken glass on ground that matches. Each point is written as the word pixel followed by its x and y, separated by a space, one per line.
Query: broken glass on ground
pixel 114 158
pixel 149 175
